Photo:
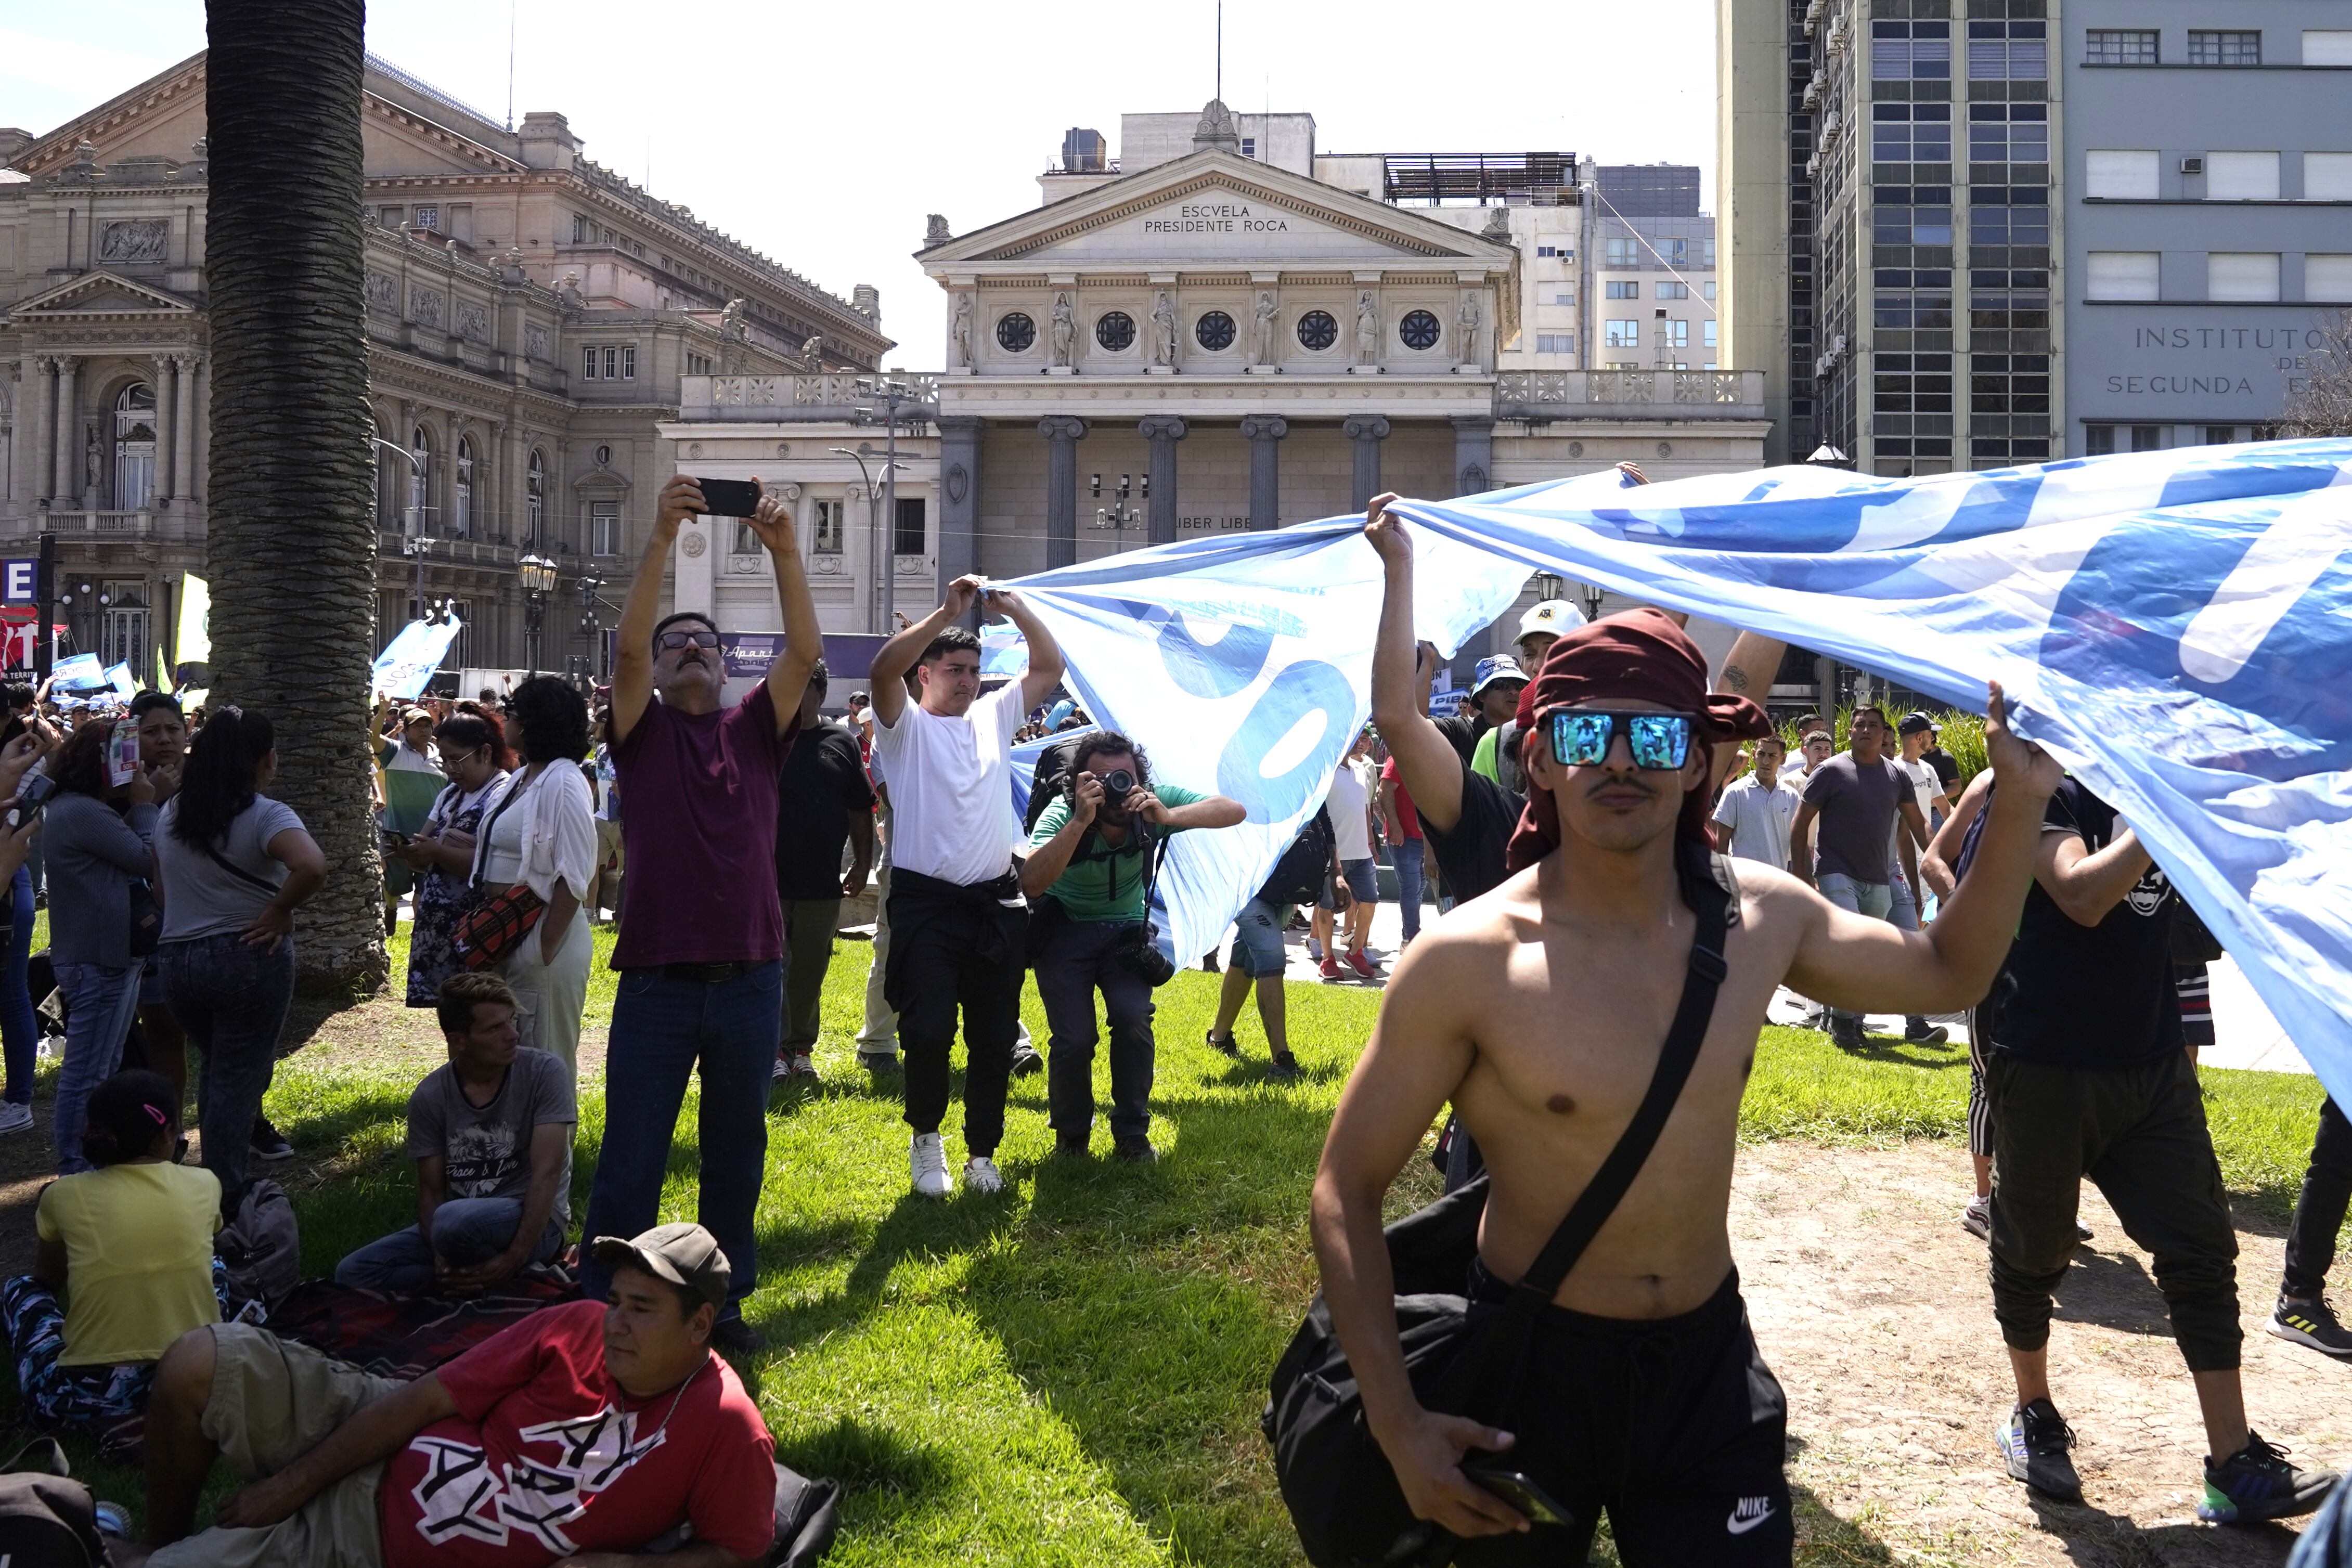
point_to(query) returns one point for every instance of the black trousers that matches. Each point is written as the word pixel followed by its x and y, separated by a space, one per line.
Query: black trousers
pixel 1674 1426
pixel 945 962
pixel 1076 959
pixel 2319 1208
pixel 2139 1132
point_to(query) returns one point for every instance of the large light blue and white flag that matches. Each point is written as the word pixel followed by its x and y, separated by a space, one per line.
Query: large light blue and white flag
pixel 1242 667
pixel 408 661
pixel 2175 626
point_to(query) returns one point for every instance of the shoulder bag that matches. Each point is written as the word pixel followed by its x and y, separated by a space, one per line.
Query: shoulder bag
pixel 1463 1357
pixel 493 924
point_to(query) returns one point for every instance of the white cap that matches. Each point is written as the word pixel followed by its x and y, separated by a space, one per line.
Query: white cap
pixel 1553 617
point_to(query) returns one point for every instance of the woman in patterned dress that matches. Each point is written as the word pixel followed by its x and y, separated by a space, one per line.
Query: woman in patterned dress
pixel 473 752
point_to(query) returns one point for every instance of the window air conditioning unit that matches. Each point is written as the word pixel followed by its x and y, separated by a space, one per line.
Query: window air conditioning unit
pixel 2193 165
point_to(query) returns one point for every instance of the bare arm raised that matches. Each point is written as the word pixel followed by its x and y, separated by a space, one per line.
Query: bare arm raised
pixel 1863 964
pixel 632 643
pixel 803 638
pixel 1045 670
pixel 1427 764
pixel 894 658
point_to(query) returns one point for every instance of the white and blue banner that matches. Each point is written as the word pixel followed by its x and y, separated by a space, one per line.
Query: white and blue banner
pixel 1241 665
pixel 81 673
pixel 408 661
pixel 2175 626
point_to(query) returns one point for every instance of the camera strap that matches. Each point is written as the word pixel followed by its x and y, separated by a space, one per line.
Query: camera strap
pixel 1151 881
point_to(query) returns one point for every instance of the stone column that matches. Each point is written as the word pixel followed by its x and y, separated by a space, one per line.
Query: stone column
pixel 1163 431
pixel 66 487
pixel 959 495
pixel 183 429
pixel 1262 430
pixel 29 466
pixel 1062 433
pixel 166 410
pixel 1367 431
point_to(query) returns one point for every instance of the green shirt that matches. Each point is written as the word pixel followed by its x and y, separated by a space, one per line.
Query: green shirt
pixel 1104 883
pixel 1482 760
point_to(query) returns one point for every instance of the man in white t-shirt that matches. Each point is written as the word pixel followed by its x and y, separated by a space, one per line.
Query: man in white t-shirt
pixel 1756 809
pixel 958 924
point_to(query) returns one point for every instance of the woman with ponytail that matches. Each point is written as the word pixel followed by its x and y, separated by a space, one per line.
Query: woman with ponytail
pixel 235 864
pixel 129 1246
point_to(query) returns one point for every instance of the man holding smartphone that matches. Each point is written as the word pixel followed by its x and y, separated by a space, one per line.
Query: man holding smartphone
pixel 701 951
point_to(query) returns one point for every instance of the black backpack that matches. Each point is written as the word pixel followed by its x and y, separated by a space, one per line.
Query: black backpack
pixel 47 1519
pixel 1297 877
pixel 1050 780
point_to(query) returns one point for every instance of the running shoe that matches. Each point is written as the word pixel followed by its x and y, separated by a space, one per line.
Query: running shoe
pixel 1917 1030
pixel 1285 1068
pixel 1328 969
pixel 1977 1218
pixel 1225 1046
pixel 878 1062
pixel 268 1143
pixel 928 1159
pixel 2313 1324
pixel 781 1071
pixel 1026 1060
pixel 1845 1032
pixel 981 1175
pixel 1135 1149
pixel 2034 1439
pixel 2258 1482
pixel 1362 965
pixel 15 1118
pixel 799 1066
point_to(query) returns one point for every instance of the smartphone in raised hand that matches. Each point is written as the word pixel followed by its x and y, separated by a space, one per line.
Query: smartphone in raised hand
pixel 730 497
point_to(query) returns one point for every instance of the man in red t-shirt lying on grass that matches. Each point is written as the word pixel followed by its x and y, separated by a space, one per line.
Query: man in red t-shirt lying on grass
pixel 577 1436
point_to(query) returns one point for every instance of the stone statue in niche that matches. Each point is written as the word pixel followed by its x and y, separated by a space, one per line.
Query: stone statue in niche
pixel 812 350
pixel 93 457
pixel 1066 330
pixel 1468 321
pixel 1262 329
pixel 1368 328
pixel 134 240
pixel 1163 331
pixel 960 330
pixel 730 319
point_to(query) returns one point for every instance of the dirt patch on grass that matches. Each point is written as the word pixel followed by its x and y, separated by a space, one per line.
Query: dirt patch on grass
pixel 1872 1304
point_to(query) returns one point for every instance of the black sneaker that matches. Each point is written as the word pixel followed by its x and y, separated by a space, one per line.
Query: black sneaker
pixel 1224 1047
pixel 2260 1482
pixel 1026 1060
pixel 1845 1033
pixel 268 1143
pixel 1136 1150
pixel 1917 1030
pixel 1070 1145
pixel 2313 1324
pixel 880 1063
pixel 1285 1068
pixel 733 1336
pixel 2034 1438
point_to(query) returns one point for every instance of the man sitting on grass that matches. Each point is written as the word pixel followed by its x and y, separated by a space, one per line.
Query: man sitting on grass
pixel 578 1434
pixel 490 1131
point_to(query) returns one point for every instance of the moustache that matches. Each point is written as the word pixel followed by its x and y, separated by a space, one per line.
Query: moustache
pixel 1617 781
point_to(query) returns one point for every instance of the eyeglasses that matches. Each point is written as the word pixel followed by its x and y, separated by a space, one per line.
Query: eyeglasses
pixel 449 762
pixel 1581 737
pixel 669 640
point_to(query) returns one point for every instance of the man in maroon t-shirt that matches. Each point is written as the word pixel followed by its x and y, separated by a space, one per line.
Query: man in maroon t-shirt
pixel 701 944
pixel 584 1428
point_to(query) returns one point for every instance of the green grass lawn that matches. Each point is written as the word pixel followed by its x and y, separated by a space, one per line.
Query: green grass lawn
pixel 1072 1373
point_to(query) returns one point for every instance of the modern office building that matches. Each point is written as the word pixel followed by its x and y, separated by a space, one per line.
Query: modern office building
pixel 1651 269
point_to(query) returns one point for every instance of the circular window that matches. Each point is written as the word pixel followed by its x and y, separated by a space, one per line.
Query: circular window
pixel 1418 330
pixel 1115 331
pixel 1015 333
pixel 1316 329
pixel 1214 331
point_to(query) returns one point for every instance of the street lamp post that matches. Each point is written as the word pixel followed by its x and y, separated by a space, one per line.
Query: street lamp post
pixel 1119 516
pixel 873 512
pixel 592 582
pixel 537 575
pixel 890 392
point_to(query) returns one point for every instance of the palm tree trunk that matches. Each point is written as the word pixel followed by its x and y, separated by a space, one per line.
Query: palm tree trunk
pixel 291 540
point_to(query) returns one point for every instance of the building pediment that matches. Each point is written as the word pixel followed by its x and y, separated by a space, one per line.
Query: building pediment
pixel 1215 208
pixel 101 295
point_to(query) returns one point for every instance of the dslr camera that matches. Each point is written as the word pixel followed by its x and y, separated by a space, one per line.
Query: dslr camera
pixel 1139 949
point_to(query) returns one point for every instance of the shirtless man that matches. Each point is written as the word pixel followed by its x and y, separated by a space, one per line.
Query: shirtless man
pixel 1645 1356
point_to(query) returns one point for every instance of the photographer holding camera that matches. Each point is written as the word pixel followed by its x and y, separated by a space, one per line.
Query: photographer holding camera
pixel 1090 872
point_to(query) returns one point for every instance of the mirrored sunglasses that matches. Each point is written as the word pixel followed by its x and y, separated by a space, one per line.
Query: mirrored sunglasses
pixel 1581 737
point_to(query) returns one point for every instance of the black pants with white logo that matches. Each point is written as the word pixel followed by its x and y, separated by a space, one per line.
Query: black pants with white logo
pixel 1674 1426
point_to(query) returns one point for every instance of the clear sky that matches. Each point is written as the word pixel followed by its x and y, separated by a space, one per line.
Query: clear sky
pixel 823 134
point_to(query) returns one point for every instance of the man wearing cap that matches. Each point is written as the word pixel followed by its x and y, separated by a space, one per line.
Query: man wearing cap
pixel 1923 742
pixel 588 1428
pixel 412 782
pixel 1607 870
pixel 701 947
pixel 1495 685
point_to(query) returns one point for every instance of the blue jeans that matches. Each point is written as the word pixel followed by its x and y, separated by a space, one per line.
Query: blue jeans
pixel 465 1231
pixel 1405 853
pixel 664 1029
pixel 100 1002
pixel 19 1028
pixel 1873 899
pixel 231 997
pixel 1257 938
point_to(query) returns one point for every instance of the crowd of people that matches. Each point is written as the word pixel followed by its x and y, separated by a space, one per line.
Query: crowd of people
pixel 1593 795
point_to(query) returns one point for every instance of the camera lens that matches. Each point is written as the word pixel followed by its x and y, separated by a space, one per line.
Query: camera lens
pixel 1118 783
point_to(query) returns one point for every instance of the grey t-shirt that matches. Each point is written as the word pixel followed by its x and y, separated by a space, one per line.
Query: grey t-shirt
pixel 1856 803
pixel 201 897
pixel 486 1149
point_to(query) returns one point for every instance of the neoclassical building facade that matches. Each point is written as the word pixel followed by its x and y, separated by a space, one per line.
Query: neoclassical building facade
pixel 1212 342
pixel 531 320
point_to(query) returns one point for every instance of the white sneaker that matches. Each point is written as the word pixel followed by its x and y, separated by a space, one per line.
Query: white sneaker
pixel 15 1118
pixel 981 1175
pixel 929 1159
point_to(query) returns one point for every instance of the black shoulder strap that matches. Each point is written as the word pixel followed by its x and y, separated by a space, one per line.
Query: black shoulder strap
pixel 240 873
pixel 1706 895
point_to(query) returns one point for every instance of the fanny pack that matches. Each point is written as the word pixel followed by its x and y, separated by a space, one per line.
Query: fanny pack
pixel 1465 1357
